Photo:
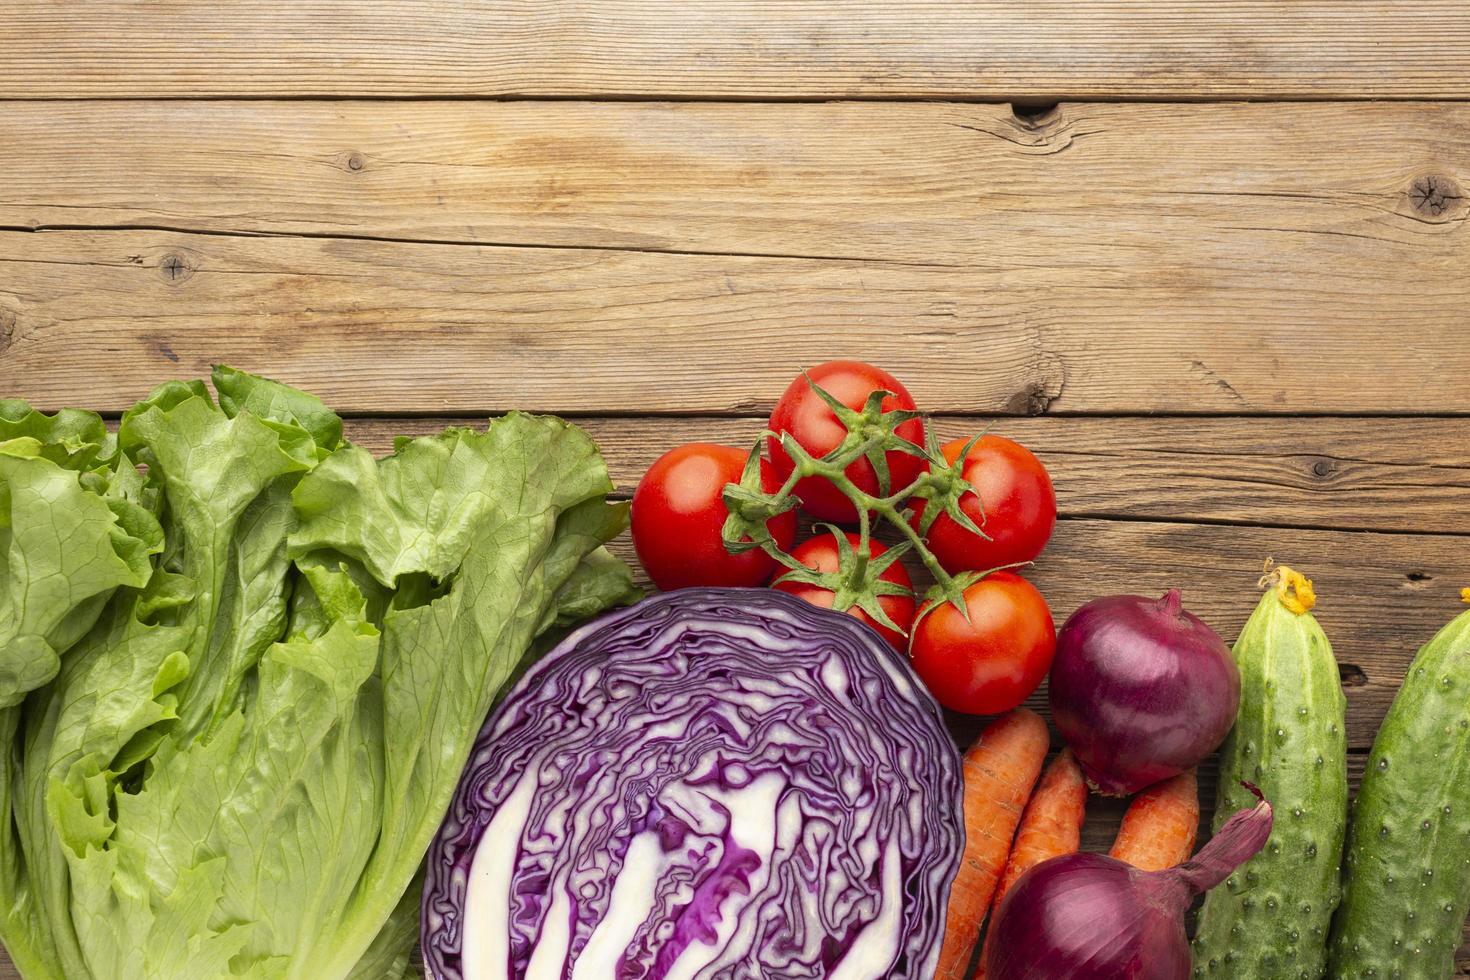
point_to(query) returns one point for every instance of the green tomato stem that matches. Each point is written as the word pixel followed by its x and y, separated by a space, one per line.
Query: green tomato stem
pixel 868 432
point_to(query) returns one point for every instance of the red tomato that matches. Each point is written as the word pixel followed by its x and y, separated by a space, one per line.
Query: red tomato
pixel 1020 508
pixel 991 663
pixel 821 553
pixel 678 511
pixel 802 413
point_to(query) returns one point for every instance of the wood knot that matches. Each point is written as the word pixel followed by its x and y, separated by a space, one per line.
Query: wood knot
pixel 161 345
pixel 174 268
pixel 1034 115
pixel 1323 468
pixel 355 162
pixel 1033 399
pixel 1352 675
pixel 1435 196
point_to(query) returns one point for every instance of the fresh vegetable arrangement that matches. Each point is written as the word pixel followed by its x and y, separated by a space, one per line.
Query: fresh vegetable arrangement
pixel 727 783
pixel 1141 690
pixel 244 664
pixel 845 443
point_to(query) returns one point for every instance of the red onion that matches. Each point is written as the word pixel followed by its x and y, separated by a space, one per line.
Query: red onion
pixel 1141 690
pixel 1090 917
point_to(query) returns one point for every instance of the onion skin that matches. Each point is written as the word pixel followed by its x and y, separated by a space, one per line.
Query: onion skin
pixel 1141 690
pixel 1053 894
pixel 1091 917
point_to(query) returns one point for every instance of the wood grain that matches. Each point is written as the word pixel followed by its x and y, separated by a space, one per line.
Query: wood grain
pixel 1181 193
pixel 980 49
pixel 1191 200
pixel 96 318
pixel 1370 474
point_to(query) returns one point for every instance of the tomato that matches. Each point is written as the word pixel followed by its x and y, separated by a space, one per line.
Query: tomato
pixel 809 420
pixel 820 553
pixel 1020 508
pixel 678 513
pixel 991 663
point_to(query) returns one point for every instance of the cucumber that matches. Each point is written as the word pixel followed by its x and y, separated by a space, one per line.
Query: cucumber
pixel 1273 916
pixel 1408 858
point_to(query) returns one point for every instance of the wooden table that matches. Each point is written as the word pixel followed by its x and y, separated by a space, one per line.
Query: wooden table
pixel 1211 260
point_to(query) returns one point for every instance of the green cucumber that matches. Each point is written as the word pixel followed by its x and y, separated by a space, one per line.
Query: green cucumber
pixel 1408 858
pixel 1272 917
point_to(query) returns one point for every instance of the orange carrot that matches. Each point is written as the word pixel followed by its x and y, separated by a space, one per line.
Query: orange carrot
pixel 1161 825
pixel 1050 827
pixel 1052 823
pixel 1000 771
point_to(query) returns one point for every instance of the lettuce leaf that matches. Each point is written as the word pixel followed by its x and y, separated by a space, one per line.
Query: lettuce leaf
pixel 250 715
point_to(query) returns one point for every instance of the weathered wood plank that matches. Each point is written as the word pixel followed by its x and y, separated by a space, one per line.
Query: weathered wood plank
pixel 1370 474
pixel 985 49
pixel 96 317
pixel 1181 197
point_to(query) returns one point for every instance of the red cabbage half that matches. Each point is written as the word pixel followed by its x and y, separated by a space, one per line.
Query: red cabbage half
pixel 715 783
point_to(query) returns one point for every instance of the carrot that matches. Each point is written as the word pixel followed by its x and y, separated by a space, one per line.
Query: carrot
pixel 1161 825
pixel 1000 770
pixel 1050 827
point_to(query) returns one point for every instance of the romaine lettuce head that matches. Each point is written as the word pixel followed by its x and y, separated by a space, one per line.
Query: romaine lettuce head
pixel 240 680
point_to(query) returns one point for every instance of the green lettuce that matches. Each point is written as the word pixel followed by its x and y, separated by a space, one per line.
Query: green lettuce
pixel 242 663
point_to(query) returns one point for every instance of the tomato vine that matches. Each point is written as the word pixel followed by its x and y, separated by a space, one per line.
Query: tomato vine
pixel 871 433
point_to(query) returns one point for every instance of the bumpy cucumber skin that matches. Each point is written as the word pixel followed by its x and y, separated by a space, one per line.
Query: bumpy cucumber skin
pixel 1271 918
pixel 1408 859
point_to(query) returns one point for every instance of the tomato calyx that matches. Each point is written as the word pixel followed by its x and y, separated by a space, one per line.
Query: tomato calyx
pixel 858 580
pixel 953 590
pixel 751 507
pixel 944 487
pixel 871 434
